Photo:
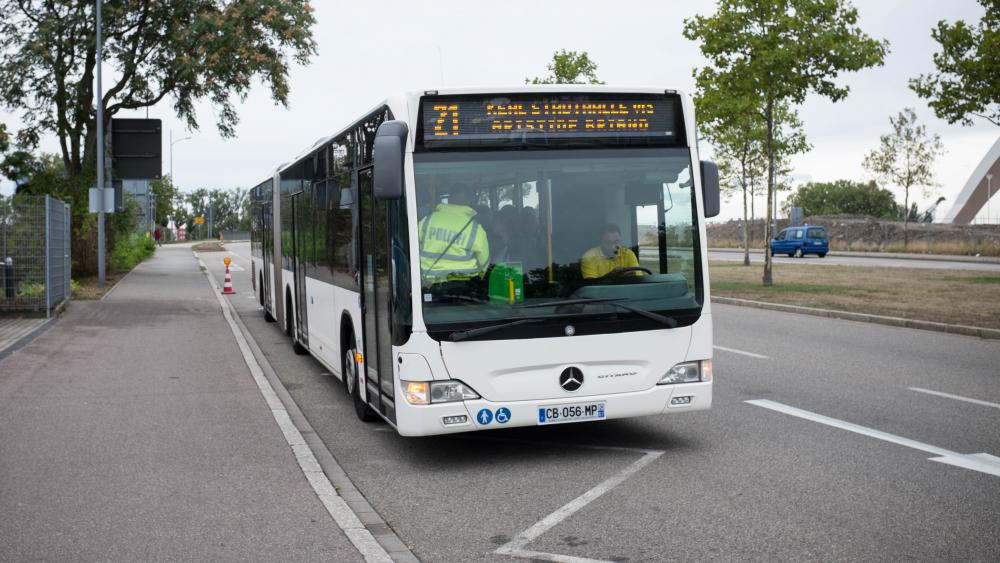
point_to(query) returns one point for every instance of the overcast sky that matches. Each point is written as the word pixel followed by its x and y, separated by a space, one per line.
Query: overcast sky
pixel 372 48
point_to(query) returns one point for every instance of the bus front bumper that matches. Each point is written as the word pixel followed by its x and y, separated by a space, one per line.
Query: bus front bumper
pixel 468 416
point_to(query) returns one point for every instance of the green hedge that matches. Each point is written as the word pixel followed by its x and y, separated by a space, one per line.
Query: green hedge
pixel 129 251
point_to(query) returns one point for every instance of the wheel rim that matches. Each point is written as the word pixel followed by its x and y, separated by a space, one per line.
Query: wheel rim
pixel 350 372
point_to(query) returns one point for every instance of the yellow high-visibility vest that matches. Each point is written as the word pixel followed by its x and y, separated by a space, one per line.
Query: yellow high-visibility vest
pixel 469 252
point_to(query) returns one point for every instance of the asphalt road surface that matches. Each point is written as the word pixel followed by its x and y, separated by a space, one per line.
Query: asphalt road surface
pixel 836 259
pixel 746 481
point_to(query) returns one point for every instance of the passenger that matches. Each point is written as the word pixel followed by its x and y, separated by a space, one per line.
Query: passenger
pixel 453 245
pixel 501 236
pixel 609 256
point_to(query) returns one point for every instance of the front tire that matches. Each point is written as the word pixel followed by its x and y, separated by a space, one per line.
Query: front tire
pixel 800 253
pixel 352 381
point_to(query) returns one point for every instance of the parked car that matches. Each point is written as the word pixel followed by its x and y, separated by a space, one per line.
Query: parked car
pixel 799 241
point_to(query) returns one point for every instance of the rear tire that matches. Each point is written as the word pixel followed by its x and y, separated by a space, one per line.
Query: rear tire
pixel 352 382
pixel 268 317
pixel 822 254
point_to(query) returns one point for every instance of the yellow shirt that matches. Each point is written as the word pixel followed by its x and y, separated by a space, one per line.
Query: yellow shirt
pixel 595 264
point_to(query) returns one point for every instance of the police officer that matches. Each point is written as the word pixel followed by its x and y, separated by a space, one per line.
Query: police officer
pixel 453 245
pixel 609 256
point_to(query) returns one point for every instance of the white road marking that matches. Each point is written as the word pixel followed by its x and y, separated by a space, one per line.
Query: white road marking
pixel 335 505
pixel 956 397
pixel 236 267
pixel 982 462
pixel 734 351
pixel 238 255
pixel 516 547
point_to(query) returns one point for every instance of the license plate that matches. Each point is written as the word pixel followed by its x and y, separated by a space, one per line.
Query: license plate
pixel 570 413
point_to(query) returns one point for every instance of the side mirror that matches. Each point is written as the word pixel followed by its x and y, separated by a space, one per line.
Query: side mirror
pixel 390 142
pixel 710 188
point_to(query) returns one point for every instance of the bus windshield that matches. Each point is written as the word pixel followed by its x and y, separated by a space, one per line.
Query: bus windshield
pixel 587 234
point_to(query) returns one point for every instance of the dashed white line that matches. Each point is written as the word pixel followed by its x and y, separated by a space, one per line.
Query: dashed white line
pixel 982 462
pixel 741 352
pixel 956 397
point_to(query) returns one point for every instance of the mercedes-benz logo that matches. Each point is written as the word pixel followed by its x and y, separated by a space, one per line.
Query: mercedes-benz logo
pixel 571 379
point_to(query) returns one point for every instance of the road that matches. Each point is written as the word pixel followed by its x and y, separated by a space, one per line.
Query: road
pixel 744 480
pixel 836 259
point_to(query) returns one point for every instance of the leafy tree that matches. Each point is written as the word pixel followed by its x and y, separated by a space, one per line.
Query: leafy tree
pixel 776 52
pixel 737 132
pixel 569 67
pixel 184 50
pixel 843 197
pixel 905 158
pixel 967 82
pixel 164 194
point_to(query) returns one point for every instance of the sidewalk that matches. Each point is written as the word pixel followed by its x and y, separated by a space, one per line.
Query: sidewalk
pixel 132 430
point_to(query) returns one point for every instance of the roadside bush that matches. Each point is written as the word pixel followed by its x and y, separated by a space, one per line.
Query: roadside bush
pixel 131 250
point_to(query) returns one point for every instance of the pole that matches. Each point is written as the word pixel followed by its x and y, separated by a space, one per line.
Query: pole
pixel 171 156
pixel 100 157
pixel 989 194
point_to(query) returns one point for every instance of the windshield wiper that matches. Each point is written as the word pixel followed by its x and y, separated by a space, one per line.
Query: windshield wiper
pixel 667 321
pixel 463 334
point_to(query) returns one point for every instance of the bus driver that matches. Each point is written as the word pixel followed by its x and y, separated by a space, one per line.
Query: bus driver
pixel 609 256
pixel 453 245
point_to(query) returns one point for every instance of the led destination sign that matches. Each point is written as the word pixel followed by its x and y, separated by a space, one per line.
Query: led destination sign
pixel 503 120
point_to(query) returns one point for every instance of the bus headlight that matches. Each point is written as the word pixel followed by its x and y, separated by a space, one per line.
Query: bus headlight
pixel 427 392
pixel 688 372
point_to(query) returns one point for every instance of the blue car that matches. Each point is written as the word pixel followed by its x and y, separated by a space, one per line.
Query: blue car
pixel 799 241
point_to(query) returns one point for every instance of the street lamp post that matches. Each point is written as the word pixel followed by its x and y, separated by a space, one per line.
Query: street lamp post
pixel 989 194
pixel 172 143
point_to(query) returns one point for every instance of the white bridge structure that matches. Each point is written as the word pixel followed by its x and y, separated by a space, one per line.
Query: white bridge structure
pixel 982 185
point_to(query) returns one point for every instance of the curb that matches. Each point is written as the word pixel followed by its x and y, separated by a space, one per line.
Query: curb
pixel 964 330
pixel 362 510
pixel 890 256
pixel 27 338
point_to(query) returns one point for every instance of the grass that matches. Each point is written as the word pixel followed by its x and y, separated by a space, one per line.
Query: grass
pixel 210 246
pixel 947 296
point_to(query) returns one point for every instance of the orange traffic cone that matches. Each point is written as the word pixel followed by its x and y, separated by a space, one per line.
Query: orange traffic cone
pixel 227 284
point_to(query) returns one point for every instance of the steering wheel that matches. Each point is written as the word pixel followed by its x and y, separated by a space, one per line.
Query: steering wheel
pixel 617 273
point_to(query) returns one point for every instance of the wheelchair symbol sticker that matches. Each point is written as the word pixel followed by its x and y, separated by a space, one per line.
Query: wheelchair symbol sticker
pixel 484 416
pixel 503 415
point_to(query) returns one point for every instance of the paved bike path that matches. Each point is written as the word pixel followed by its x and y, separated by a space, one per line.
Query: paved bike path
pixel 132 430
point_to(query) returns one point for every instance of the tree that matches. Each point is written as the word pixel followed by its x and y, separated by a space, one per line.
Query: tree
pixel 905 158
pixel 776 52
pixel 164 194
pixel 967 82
pixel 184 50
pixel 843 197
pixel 569 67
pixel 738 134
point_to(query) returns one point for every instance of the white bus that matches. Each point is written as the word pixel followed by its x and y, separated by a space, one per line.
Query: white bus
pixel 471 259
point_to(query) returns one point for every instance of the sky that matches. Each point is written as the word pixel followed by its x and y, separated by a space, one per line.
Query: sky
pixel 370 49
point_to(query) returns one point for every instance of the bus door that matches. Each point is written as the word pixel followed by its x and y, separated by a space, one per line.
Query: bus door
pixel 375 301
pixel 299 267
pixel 267 251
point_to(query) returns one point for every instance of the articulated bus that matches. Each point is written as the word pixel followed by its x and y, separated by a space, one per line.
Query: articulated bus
pixel 472 259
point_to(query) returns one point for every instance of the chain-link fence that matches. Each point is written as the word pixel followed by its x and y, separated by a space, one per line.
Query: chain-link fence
pixel 35 258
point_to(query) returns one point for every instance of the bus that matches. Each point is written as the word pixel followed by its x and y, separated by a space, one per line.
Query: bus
pixel 472 259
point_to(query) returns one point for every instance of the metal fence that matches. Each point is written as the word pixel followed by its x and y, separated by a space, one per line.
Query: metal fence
pixel 35 257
